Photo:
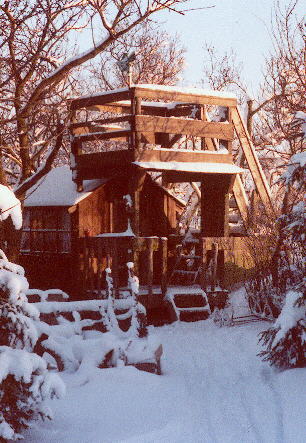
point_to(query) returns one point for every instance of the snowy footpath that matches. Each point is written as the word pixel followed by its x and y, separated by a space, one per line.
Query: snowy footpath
pixel 213 389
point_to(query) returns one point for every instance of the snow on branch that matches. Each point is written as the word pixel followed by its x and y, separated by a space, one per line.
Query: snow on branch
pixel 10 207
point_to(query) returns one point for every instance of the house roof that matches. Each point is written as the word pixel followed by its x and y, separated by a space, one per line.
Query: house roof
pixel 58 189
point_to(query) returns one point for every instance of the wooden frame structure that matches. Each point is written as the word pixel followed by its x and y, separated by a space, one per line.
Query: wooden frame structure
pixel 150 120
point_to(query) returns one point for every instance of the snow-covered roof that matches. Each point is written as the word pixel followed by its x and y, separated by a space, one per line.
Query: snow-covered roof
pixel 208 168
pixel 184 90
pixel 58 189
pixel 163 88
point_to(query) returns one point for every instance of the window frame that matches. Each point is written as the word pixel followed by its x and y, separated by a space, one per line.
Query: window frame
pixel 60 217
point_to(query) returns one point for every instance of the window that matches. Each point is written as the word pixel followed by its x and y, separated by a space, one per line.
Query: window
pixel 46 229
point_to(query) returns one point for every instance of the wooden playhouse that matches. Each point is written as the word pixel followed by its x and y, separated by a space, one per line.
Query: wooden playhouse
pixel 57 218
pixel 139 141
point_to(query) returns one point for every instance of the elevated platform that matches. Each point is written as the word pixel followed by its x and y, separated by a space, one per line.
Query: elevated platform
pixel 136 131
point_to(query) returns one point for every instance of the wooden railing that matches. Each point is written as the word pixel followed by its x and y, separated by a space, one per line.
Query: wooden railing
pixel 149 255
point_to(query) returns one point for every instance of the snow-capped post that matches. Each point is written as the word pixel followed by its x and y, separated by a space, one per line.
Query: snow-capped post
pixel 109 282
pixel 133 281
pixel 133 285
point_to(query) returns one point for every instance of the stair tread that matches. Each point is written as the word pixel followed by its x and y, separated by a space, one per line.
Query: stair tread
pixel 182 271
pixel 191 309
pixel 190 256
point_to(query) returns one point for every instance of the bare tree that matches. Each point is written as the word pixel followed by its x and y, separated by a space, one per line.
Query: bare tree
pixel 159 59
pixel 36 75
pixel 36 79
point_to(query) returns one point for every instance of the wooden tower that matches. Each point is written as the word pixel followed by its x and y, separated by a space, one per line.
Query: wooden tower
pixel 130 131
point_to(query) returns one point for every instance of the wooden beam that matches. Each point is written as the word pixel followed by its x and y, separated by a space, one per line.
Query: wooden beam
pixel 256 170
pixel 148 108
pixel 88 129
pixel 172 125
pixel 99 99
pixel 179 96
pixel 164 261
pixel 107 135
pixel 103 164
pixel 241 199
pixel 168 155
pixel 99 122
pixel 214 206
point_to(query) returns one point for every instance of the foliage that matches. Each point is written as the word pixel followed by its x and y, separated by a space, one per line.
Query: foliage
pixel 24 379
pixel 284 343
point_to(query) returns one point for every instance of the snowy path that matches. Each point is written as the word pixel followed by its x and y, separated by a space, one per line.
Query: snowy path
pixel 214 390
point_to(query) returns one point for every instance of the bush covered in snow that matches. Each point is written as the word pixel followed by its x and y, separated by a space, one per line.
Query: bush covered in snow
pixel 24 379
pixel 24 385
pixel 285 342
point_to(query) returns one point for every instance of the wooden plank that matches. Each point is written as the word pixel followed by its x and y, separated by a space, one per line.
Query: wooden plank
pixel 107 135
pixel 148 108
pixel 256 170
pixel 168 155
pixel 81 130
pixel 150 264
pixel 214 207
pixel 179 96
pixel 164 260
pixel 241 199
pixel 172 125
pixel 203 264
pixel 96 165
pixel 99 99
pixel 98 125
pixel 104 159
pixel 215 250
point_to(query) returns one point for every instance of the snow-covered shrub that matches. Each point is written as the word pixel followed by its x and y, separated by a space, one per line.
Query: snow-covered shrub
pixel 24 385
pixel 138 320
pixel 10 207
pixel 24 379
pixel 285 342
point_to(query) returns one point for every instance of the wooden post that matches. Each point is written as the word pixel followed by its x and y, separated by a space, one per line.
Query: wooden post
pixel 137 136
pixel 136 183
pixel 115 270
pixel 76 150
pixel 150 264
pixel 203 264
pixel 91 266
pixel 230 120
pixel 164 264
pixel 214 266
pixel 214 205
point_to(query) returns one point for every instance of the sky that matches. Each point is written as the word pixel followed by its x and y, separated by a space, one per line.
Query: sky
pixel 239 24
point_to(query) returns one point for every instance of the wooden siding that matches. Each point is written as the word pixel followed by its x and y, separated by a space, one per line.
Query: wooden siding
pixel 172 125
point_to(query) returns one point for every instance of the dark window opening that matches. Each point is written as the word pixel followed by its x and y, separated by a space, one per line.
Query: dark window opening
pixel 46 230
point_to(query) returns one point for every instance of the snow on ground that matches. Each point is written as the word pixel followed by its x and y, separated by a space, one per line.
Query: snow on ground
pixel 214 390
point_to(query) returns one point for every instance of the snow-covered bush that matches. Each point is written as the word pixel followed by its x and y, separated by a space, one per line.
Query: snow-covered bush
pixel 285 342
pixel 24 379
pixel 24 385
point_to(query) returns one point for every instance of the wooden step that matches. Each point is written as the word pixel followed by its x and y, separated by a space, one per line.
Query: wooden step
pixel 188 305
